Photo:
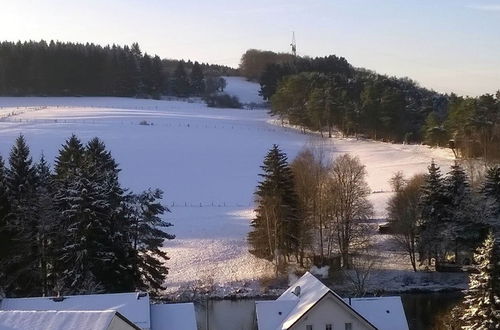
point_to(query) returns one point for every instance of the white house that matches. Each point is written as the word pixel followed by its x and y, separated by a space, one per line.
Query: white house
pixel 64 320
pixel 310 305
pixel 134 307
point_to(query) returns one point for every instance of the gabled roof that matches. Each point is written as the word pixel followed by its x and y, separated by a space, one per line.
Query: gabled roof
pixel 385 313
pixel 289 308
pixel 133 306
pixel 173 317
pixel 57 320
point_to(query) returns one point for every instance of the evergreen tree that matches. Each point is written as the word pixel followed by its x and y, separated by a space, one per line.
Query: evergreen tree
pixel 197 79
pixel 464 229
pixel 103 171
pixel 47 223
pixel 157 78
pixel 180 84
pixel 5 232
pixel 23 273
pixel 433 239
pixel 85 253
pixel 483 299
pixel 147 236
pixel 491 190
pixel 70 159
pixel 275 228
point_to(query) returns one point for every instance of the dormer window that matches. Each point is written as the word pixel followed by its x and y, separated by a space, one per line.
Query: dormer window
pixel 329 327
pixel 309 327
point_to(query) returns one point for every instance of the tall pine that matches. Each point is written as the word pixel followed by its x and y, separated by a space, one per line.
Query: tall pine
pixel 491 191
pixel 275 229
pixel 23 276
pixel 197 79
pixel 483 299
pixel 5 235
pixel 464 228
pixel 147 236
pixel 433 235
pixel 180 83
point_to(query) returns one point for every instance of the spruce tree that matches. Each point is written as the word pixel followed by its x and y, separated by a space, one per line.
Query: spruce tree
pixel 180 84
pixel 432 238
pixel 483 299
pixel 491 190
pixel 23 273
pixel 47 223
pixel 70 158
pixel 464 229
pixel 147 237
pixel 5 232
pixel 275 228
pixel 197 79
pixel 103 171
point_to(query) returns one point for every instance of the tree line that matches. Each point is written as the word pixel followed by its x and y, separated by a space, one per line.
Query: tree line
pixel 74 229
pixel 310 209
pixel 442 218
pixel 327 93
pixel 59 68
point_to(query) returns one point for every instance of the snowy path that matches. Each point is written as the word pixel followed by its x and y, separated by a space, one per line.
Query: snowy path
pixel 197 156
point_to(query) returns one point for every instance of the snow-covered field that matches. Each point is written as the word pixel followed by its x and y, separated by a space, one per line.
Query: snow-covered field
pixel 206 161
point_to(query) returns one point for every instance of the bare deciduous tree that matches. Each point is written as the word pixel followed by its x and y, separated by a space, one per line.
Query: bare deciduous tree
pixel 350 208
pixel 310 172
pixel 404 212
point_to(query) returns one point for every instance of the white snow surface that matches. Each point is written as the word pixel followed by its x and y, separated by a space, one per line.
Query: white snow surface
pixel 134 309
pixel 173 317
pixel 56 320
pixel 246 91
pixel 385 313
pixel 206 161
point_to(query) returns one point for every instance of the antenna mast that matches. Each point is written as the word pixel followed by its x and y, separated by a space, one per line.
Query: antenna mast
pixel 294 45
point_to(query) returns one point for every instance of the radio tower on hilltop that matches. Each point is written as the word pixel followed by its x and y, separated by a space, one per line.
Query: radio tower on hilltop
pixel 294 45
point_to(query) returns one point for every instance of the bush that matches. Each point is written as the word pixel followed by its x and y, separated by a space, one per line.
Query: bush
pixel 223 101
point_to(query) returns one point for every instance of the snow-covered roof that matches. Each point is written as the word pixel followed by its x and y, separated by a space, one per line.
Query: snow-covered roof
pixel 56 320
pixel 133 306
pixel 386 313
pixel 270 314
pixel 284 312
pixel 311 291
pixel 173 317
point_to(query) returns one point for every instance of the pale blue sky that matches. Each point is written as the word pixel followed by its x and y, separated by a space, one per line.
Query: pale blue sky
pixel 447 45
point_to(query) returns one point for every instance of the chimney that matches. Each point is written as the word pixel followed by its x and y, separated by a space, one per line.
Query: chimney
pixel 296 291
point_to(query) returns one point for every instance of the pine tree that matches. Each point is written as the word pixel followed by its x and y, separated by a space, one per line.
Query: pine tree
pixel 103 171
pixel 197 79
pixel 47 223
pixel 491 190
pixel 70 158
pixel 84 252
pixel 275 228
pixel 5 232
pixel 433 239
pixel 23 273
pixel 464 228
pixel 180 84
pixel 147 237
pixel 483 299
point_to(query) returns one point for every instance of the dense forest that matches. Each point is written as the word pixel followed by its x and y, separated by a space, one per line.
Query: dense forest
pixel 57 68
pixel 327 94
pixel 74 229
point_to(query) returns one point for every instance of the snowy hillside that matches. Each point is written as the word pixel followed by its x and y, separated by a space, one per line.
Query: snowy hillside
pixel 206 160
pixel 246 91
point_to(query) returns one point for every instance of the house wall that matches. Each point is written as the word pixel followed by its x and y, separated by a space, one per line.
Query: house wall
pixel 330 311
pixel 118 324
